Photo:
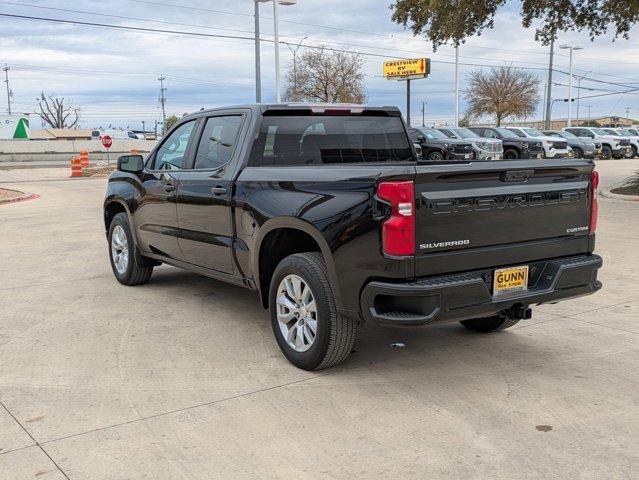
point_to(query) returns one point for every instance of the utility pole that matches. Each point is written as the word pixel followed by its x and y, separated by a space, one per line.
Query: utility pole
pixel 9 93
pixel 143 128
pixel 423 113
pixel 457 85
pixel 258 71
pixel 627 116
pixel 549 92
pixel 543 115
pixel 276 39
pixel 163 102
pixel 589 107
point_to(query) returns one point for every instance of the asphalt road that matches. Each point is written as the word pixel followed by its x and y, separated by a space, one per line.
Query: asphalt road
pixel 182 379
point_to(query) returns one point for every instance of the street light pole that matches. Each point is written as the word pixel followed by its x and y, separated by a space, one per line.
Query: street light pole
pixel 571 48
pixel 276 40
pixel 258 73
pixel 294 52
pixel 457 86
pixel 579 79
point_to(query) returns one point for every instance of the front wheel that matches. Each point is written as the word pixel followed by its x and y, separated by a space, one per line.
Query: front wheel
pixel 435 155
pixel 490 324
pixel 606 152
pixel 308 330
pixel 577 153
pixel 511 154
pixel 128 268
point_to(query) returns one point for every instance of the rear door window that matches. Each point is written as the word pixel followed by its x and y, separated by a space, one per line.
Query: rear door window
pixel 218 141
pixel 330 139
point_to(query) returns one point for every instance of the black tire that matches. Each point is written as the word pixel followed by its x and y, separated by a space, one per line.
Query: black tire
pixel 335 335
pixel 606 152
pixel 577 152
pixel 511 154
pixel 489 324
pixel 634 152
pixel 139 268
pixel 435 155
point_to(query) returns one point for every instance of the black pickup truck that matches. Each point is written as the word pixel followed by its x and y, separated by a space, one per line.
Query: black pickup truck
pixel 330 215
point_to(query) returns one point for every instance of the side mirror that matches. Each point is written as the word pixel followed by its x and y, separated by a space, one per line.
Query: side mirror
pixel 418 150
pixel 131 163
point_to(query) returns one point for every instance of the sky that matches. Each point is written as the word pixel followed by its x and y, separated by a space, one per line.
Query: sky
pixel 111 75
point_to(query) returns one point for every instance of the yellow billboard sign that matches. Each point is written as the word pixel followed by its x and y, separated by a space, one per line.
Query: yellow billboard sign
pixel 408 68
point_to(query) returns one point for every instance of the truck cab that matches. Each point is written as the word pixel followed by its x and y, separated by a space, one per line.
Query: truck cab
pixel 553 147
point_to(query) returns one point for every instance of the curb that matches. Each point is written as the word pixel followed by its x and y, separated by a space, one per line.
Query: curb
pixel 616 196
pixel 24 197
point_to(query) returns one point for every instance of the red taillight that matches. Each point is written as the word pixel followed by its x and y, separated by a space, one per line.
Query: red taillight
pixel 594 204
pixel 398 232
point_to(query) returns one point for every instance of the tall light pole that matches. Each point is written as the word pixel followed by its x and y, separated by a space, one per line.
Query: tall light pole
pixel 571 48
pixel 579 79
pixel 457 85
pixel 276 40
pixel 258 72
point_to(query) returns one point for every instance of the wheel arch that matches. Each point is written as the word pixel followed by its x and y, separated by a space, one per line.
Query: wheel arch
pixel 113 206
pixel 291 235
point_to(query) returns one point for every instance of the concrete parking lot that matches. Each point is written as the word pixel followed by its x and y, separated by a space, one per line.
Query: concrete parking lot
pixel 182 378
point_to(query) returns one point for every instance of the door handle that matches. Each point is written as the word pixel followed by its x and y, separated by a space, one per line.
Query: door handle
pixel 169 187
pixel 218 190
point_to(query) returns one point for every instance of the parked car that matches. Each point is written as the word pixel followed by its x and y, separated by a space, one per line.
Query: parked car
pixel 119 134
pixel 553 148
pixel 633 130
pixel 581 147
pixel 634 139
pixel 485 148
pixel 437 146
pixel 514 146
pixel 611 145
pixel 325 211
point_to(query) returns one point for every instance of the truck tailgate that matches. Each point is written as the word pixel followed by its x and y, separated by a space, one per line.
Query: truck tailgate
pixel 484 204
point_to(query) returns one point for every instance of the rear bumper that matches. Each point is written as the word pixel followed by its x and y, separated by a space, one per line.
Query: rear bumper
pixel 469 295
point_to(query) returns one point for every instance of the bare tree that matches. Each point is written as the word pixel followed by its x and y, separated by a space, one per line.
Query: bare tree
pixel 321 75
pixel 502 92
pixel 56 113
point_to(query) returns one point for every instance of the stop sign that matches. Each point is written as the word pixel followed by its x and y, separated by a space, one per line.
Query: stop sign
pixel 106 141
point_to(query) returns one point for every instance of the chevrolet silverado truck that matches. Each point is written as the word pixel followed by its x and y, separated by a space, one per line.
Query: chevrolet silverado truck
pixel 328 213
pixel 437 146
pixel 485 148
pixel 514 146
pixel 553 147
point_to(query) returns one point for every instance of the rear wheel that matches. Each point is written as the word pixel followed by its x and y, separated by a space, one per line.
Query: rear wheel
pixel 577 152
pixel 304 318
pixel 490 324
pixel 634 152
pixel 511 154
pixel 129 267
pixel 606 151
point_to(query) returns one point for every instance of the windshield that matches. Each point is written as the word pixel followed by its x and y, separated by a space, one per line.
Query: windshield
pixel 600 131
pixel 533 132
pixel 624 133
pixel 634 131
pixel 465 133
pixel 320 139
pixel 567 135
pixel 433 134
pixel 504 132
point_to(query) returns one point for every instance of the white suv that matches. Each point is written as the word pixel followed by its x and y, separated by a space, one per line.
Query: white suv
pixel 553 147
pixel 634 139
pixel 611 145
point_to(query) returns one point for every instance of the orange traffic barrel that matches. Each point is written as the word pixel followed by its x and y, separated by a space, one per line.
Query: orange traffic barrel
pixel 84 158
pixel 76 167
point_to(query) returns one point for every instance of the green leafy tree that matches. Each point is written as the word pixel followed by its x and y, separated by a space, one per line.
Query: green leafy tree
pixel 502 92
pixel 172 120
pixel 453 21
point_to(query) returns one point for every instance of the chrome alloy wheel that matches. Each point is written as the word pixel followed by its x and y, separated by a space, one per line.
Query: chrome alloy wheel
pixel 296 313
pixel 119 249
